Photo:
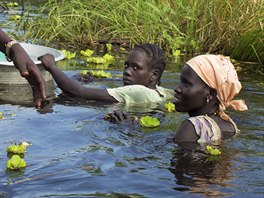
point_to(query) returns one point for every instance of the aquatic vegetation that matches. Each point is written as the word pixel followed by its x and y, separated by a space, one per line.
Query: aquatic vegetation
pixel 101 74
pixel 87 52
pixel 16 163
pixel 170 107
pixel 97 60
pixel 17 149
pixel 147 121
pixel 108 58
pixel 68 54
pixel 96 74
pixel 225 27
pixel 213 151
pixel 12 4
pixel 15 17
pixel 109 47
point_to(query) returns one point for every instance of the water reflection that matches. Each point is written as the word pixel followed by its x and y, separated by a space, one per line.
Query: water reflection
pixel 21 94
pixel 197 172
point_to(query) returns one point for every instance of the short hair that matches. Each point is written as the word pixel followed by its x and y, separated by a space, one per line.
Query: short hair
pixel 156 57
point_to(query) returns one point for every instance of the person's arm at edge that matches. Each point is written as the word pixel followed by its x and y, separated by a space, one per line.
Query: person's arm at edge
pixel 71 86
pixel 186 133
pixel 26 67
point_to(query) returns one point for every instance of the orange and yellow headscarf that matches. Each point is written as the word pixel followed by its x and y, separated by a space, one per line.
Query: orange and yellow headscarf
pixel 219 73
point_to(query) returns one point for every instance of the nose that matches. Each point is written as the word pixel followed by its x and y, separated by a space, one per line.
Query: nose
pixel 127 71
pixel 177 89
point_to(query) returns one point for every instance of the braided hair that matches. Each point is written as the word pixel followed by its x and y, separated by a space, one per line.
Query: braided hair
pixel 156 57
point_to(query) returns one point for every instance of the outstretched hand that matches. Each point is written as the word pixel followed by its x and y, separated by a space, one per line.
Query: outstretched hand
pixel 118 116
pixel 30 72
pixel 47 61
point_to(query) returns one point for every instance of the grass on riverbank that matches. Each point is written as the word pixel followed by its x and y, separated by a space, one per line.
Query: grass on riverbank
pixel 230 27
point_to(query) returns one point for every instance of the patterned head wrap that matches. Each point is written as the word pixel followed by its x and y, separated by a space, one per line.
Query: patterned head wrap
pixel 219 73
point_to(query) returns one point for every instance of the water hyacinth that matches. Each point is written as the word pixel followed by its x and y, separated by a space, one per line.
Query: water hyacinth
pixel 96 60
pixel 170 107
pixel 12 4
pixel 108 58
pixel 87 52
pixel 213 151
pixel 101 74
pixel 109 47
pixel 147 121
pixel 16 163
pixel 17 149
pixel 15 17
pixel 68 54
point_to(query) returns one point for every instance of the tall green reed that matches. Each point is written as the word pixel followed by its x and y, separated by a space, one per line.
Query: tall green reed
pixel 230 27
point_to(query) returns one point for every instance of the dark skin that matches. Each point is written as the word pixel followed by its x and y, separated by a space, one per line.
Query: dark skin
pixel 26 67
pixel 137 71
pixel 191 95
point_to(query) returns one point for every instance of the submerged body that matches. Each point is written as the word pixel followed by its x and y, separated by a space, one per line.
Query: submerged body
pixel 208 84
pixel 144 66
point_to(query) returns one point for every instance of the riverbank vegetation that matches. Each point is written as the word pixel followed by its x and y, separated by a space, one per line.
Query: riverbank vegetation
pixel 230 27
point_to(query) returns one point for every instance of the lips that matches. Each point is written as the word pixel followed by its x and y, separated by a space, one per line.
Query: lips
pixel 126 81
pixel 176 99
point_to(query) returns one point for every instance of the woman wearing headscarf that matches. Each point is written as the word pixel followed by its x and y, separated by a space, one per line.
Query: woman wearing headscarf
pixel 208 84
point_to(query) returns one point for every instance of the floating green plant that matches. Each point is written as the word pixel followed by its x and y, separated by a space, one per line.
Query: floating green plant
pixel 12 4
pixel 109 47
pixel 170 107
pixel 97 74
pixel 101 74
pixel 147 121
pixel 68 54
pixel 17 149
pixel 108 58
pixel 15 17
pixel 97 60
pixel 213 151
pixel 87 52
pixel 16 163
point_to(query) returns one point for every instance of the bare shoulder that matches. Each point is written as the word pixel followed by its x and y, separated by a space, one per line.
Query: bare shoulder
pixel 186 132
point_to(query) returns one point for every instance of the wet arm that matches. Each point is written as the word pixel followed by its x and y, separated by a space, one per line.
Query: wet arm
pixel 74 88
pixel 186 133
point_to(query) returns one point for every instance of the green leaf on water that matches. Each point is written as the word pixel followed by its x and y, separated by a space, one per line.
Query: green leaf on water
pixel 16 163
pixel 68 54
pixel 17 149
pixel 170 107
pixel 148 121
pixel 213 151
pixel 87 52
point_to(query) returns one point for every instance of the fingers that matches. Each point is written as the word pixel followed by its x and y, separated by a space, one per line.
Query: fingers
pixel 36 97
pixel 117 116
pixel 39 82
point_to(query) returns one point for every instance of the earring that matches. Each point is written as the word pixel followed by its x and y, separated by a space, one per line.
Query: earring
pixel 207 100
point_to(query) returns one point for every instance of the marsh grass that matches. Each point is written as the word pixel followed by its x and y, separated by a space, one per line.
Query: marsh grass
pixel 230 27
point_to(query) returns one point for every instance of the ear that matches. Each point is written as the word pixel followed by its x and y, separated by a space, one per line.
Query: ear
pixel 212 94
pixel 154 75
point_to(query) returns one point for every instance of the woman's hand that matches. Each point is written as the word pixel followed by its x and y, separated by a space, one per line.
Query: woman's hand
pixel 118 116
pixel 30 72
pixel 47 61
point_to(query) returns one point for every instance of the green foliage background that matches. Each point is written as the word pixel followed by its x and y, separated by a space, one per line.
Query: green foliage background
pixel 230 27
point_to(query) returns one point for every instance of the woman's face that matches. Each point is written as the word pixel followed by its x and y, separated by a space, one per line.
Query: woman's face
pixel 137 69
pixel 191 93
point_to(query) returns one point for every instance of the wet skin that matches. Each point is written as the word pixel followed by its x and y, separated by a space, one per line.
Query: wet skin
pixel 137 69
pixel 191 93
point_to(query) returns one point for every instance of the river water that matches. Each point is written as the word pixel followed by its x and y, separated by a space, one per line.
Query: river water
pixel 75 153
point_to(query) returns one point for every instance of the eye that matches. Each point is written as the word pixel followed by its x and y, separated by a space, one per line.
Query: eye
pixel 135 67
pixel 126 64
pixel 185 82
